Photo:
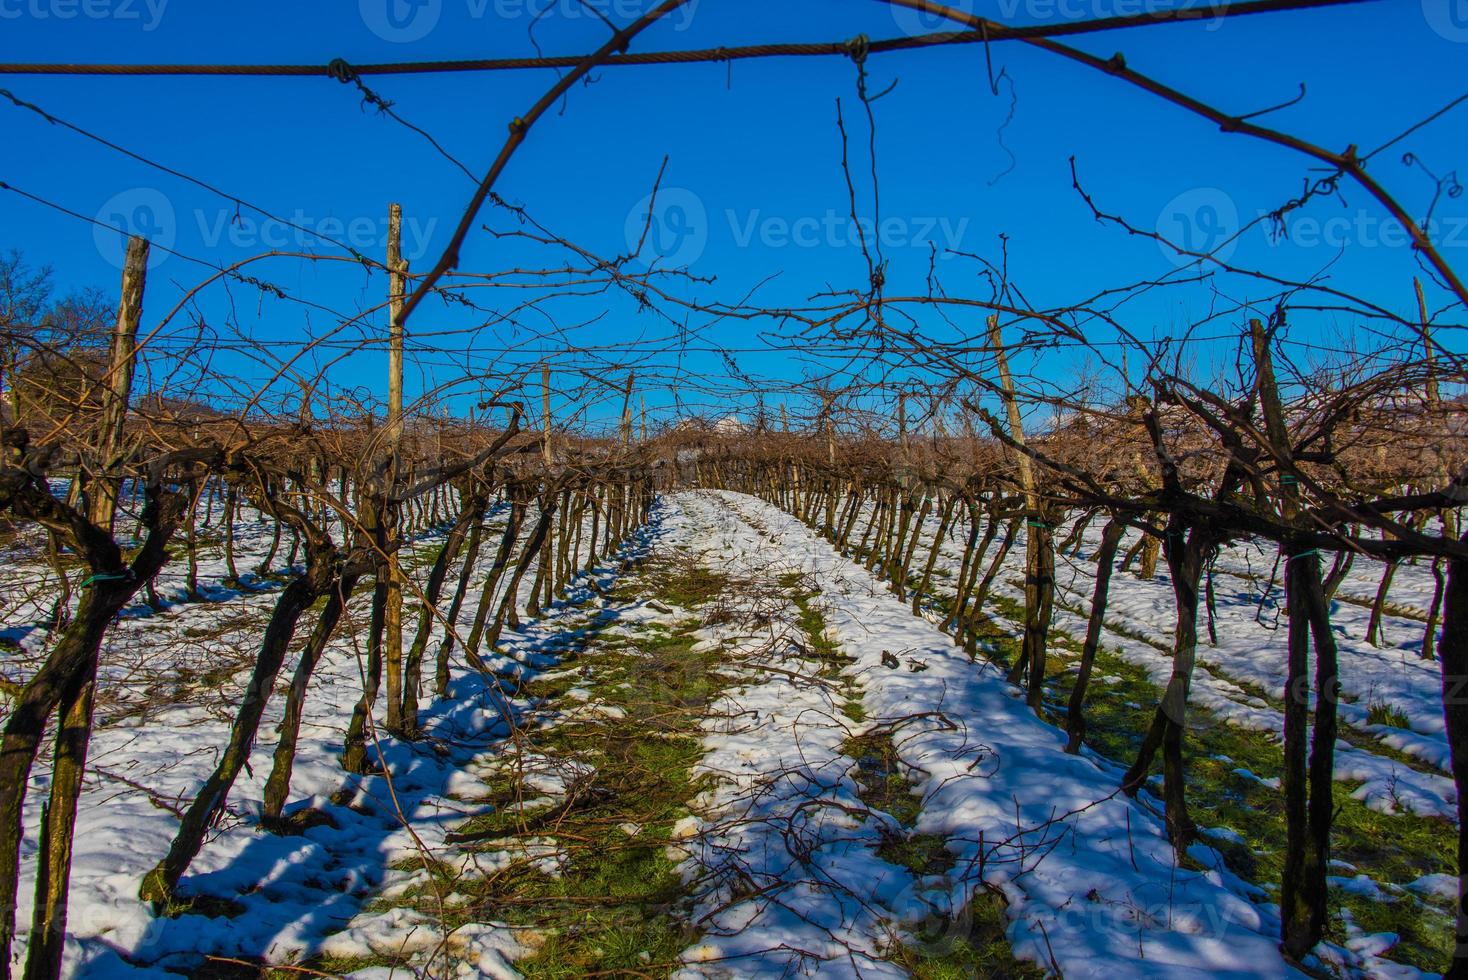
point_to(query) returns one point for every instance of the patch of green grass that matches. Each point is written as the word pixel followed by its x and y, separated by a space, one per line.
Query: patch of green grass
pixel 812 622
pixel 922 854
pixel 683 583
pixel 882 777
pixel 414 559
pixel 1384 713
pixel 210 906
pixel 636 947
pixel 334 966
pixel 972 945
pixel 614 907
pixel 547 688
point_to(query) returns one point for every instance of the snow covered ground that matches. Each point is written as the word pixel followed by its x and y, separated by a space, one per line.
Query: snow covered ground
pixel 785 857
pixel 1248 661
pixel 171 681
pixel 1092 886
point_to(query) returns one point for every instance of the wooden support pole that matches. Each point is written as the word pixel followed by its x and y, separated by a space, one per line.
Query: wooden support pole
pixel 545 414
pixel 1039 546
pixel 397 291
pixel 1434 399
pixel 627 410
pixel 106 483
pixel 401 717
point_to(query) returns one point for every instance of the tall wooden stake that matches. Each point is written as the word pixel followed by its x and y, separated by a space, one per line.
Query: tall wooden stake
pixel 74 730
pixel 117 386
pixel 401 718
pixel 1433 398
pixel 627 410
pixel 1039 546
pixel 396 293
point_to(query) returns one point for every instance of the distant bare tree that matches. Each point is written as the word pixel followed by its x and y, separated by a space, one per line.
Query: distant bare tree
pixel 24 293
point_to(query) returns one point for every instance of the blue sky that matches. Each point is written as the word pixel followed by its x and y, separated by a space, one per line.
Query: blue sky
pixel 753 179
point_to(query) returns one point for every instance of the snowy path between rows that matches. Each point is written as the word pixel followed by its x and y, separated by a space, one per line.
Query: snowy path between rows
pixel 782 856
pixel 1092 886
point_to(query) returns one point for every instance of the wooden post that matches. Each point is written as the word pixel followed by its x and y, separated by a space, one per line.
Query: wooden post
pixel 902 424
pixel 828 419
pixel 545 415
pixel 401 717
pixel 1434 400
pixel 627 410
pixel 397 290
pixel 106 485
pixel 75 704
pixel 1039 547
pixel 1011 407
